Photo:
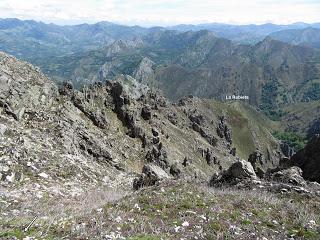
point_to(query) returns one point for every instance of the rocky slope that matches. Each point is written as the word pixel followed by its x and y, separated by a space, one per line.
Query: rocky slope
pixel 65 152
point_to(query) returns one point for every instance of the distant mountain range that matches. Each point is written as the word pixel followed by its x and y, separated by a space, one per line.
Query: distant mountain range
pixel 306 36
pixel 207 60
pixel 31 40
pixel 271 72
pixel 251 33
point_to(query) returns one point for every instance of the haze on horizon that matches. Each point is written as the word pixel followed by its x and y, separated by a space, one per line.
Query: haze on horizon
pixel 163 12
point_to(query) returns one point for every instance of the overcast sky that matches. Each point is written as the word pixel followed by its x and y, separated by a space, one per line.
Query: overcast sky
pixel 163 12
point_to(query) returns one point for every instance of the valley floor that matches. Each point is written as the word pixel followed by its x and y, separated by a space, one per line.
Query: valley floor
pixel 171 210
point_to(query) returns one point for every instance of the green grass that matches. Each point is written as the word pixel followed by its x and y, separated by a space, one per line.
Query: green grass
pixel 161 212
pixel 248 127
pixel 145 237
pixel 13 233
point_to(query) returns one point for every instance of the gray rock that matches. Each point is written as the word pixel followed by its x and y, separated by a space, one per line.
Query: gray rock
pixel 23 88
pixel 146 112
pixel 210 158
pixel 151 175
pixel 256 160
pixel 155 132
pixel 237 172
pixel 158 156
pixel 3 129
pixel 233 151
pixel 287 150
pixel 285 162
pixel 173 118
pixel 196 118
pixel 66 89
pixel 144 72
pixel 291 175
pixel 223 130
pixel 242 170
pixel 95 114
pixel 186 162
pixel 175 170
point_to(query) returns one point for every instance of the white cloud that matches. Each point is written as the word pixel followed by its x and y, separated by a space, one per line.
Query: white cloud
pixel 163 12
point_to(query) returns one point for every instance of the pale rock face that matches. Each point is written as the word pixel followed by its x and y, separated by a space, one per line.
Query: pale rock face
pixel 3 129
pixel 120 46
pixel 132 87
pixel 242 170
pixel 23 87
pixel 44 175
pixel 151 175
pixel 144 72
pixel 156 171
pixel 10 178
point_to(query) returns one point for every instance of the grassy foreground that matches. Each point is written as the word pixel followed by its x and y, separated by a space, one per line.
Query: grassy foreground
pixel 172 210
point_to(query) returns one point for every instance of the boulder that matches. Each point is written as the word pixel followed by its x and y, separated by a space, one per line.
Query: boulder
pixel 186 162
pixel 233 151
pixel 158 156
pixel 196 118
pixel 256 159
pixel 66 89
pixel 146 112
pixel 175 170
pixel 151 175
pixel 292 175
pixel 210 158
pixel 223 130
pixel 242 170
pixel 237 172
pixel 155 132
pixel 155 140
pixel 173 118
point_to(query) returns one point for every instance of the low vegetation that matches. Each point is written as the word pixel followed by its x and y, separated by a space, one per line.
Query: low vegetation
pixel 292 139
pixel 178 210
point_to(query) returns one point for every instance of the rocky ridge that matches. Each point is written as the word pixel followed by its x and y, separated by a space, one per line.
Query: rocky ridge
pixel 60 144
pixel 99 127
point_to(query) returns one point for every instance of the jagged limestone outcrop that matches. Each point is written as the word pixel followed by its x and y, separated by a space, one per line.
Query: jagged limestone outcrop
pixel 69 141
